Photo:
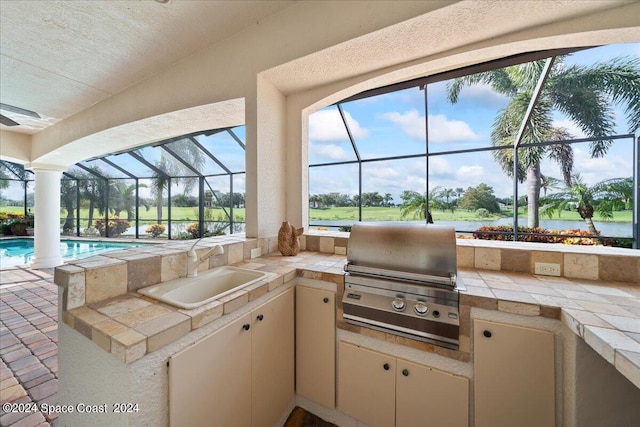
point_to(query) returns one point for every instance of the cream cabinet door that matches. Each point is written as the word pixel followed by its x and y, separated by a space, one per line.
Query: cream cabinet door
pixel 272 360
pixel 514 376
pixel 210 382
pixel 366 385
pixel 316 345
pixel 427 397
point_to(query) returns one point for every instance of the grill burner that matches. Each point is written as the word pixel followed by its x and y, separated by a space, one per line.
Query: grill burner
pixel 402 279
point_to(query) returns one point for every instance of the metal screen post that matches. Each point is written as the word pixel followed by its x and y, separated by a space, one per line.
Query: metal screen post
pixel 168 206
pixel 525 120
pixel 137 208
pixel 201 205
pixel 636 195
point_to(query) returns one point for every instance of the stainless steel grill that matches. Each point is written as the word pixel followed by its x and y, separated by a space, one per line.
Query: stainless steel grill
pixel 402 279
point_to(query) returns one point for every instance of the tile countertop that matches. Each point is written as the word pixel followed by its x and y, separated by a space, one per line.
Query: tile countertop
pixel 605 315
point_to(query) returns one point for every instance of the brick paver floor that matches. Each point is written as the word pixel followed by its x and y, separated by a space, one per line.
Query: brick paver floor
pixel 28 345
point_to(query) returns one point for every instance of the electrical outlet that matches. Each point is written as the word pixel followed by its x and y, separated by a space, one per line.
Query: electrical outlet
pixel 255 253
pixel 547 269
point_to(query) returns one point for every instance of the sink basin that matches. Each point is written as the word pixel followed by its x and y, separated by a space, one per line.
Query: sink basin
pixel 192 292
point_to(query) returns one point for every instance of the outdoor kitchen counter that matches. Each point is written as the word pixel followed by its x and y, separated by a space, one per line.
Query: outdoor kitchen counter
pixel 605 314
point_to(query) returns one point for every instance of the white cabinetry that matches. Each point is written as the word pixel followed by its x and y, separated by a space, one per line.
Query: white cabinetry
pixel 316 345
pixel 385 391
pixel 513 376
pixel 241 375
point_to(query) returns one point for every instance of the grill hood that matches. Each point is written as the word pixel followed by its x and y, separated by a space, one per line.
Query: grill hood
pixel 405 251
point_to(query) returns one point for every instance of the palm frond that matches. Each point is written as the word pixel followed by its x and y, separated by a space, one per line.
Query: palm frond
pixel 586 94
pixel 499 81
pixel 562 153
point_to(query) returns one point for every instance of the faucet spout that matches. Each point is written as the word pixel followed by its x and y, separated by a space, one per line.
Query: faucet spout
pixel 193 261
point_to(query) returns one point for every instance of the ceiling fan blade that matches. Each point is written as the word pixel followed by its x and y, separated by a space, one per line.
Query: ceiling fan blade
pixel 18 110
pixel 7 121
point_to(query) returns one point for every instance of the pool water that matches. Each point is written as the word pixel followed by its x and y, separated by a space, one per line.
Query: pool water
pixel 20 251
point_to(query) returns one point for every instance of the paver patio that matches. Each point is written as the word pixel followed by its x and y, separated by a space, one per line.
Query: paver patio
pixel 28 344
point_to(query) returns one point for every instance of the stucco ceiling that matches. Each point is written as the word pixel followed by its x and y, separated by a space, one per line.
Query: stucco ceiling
pixel 49 62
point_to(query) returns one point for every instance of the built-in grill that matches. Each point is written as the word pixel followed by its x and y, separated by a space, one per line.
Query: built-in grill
pixel 402 279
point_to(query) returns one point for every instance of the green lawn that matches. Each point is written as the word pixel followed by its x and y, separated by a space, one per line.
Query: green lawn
pixel 177 214
pixel 340 213
pixel 393 214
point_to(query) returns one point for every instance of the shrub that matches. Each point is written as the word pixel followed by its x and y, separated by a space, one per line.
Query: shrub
pixel 194 230
pixel 482 213
pixel 155 230
pixel 541 235
pixel 115 226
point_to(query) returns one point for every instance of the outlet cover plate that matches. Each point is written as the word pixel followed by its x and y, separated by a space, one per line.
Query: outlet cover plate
pixel 547 269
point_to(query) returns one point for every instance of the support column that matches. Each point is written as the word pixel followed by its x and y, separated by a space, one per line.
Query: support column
pixel 265 115
pixel 47 216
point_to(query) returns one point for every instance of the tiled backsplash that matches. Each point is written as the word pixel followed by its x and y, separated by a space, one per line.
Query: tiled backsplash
pixel 116 273
pixel 578 262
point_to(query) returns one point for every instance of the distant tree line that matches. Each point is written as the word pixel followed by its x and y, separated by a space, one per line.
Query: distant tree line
pixel 440 198
pixel 323 201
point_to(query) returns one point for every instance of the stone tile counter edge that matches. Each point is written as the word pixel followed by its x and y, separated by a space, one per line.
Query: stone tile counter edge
pixel 606 314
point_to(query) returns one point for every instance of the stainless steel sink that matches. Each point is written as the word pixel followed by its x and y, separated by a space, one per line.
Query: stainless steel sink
pixel 209 285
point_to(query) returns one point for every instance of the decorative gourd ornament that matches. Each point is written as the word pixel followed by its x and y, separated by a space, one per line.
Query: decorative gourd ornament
pixel 288 241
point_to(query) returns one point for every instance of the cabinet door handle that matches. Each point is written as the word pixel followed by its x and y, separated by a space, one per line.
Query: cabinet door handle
pixel 487 334
pixel 325 300
pixel 386 366
pixel 260 317
pixel 405 372
pixel 246 326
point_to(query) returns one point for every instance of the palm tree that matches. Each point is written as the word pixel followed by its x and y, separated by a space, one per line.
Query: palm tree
pixel 93 190
pixel 68 200
pixel 122 197
pixel 585 94
pixel 176 170
pixel 448 193
pixel 601 197
pixel 387 199
pixel 414 204
pixel 547 183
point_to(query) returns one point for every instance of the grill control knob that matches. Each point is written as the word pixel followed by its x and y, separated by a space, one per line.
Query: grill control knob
pixel 421 309
pixel 398 304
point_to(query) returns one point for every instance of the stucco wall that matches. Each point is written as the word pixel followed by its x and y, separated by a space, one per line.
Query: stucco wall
pixel 87 373
pixel 603 397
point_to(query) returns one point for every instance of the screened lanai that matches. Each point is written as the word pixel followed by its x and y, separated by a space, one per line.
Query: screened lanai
pixel 496 160
pixel 186 187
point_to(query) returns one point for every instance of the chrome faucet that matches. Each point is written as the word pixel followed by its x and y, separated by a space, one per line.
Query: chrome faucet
pixel 193 261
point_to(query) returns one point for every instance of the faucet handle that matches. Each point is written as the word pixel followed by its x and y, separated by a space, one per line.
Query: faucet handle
pixel 192 250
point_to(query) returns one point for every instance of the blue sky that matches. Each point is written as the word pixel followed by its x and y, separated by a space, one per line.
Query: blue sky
pixel 393 124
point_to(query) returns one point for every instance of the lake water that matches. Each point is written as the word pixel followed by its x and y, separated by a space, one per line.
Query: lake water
pixel 611 229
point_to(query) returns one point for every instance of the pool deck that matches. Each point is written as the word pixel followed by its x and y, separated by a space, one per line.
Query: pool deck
pixel 28 344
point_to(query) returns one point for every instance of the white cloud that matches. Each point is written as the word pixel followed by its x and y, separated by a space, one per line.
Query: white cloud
pixel 483 94
pixel 440 167
pixel 470 172
pixel 441 129
pixel 598 169
pixel 476 95
pixel 592 170
pixel 570 126
pixel 328 151
pixel 411 123
pixel 327 125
